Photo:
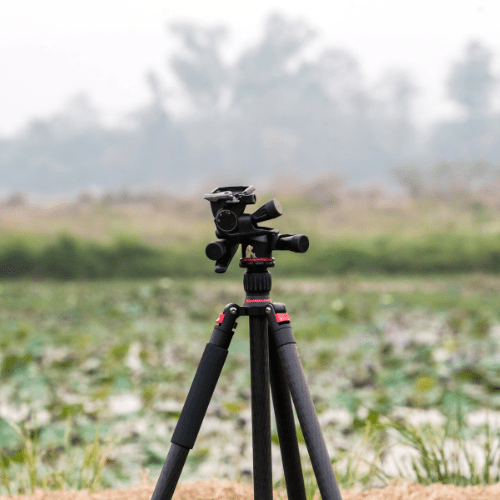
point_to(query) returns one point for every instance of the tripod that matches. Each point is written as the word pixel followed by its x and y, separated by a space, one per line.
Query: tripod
pixel 274 360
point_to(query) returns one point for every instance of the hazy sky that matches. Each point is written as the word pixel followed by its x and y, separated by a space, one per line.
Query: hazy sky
pixel 51 50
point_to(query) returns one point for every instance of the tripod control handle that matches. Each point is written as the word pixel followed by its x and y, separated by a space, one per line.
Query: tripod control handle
pixel 216 249
pixel 298 243
pixel 269 210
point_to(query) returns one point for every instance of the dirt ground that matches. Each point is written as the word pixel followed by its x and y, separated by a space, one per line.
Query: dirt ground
pixel 226 490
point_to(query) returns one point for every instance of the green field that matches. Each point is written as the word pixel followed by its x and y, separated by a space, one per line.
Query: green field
pixel 105 309
pixel 119 356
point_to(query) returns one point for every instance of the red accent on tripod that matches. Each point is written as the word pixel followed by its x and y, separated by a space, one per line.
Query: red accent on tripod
pixel 220 319
pixel 258 300
pixel 282 317
pixel 258 259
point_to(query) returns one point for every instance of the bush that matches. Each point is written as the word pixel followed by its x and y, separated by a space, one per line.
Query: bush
pixel 68 257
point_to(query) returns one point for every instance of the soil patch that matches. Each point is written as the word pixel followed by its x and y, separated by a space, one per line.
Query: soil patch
pixel 227 490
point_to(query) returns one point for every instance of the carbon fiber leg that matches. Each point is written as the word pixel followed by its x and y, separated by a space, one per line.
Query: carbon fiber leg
pixel 261 409
pixel 196 404
pixel 306 413
pixel 285 424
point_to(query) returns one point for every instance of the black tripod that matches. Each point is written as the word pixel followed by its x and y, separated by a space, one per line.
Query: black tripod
pixel 273 358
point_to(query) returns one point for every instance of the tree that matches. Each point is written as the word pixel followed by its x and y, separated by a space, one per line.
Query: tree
pixel 392 101
pixel 339 74
pixel 411 178
pixel 471 82
pixel 199 66
pixel 267 99
pixel 266 66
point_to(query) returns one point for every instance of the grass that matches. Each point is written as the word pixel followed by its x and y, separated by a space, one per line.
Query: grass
pixel 58 468
pixel 437 455
pixel 74 353
pixel 451 454
pixel 447 454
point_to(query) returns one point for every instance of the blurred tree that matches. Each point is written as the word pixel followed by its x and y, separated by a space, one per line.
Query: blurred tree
pixel 199 66
pixel 477 135
pixel 265 99
pixel 152 151
pixel 266 67
pixel 271 110
pixel 60 153
pixel 323 112
pixel 410 177
pixel 393 96
pixel 205 80
pixel 471 82
pixel 339 74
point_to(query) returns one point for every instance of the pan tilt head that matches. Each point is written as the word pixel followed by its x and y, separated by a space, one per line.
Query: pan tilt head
pixel 234 227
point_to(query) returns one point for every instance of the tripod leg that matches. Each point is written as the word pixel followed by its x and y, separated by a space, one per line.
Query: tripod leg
pixel 196 404
pixel 261 408
pixel 292 367
pixel 286 427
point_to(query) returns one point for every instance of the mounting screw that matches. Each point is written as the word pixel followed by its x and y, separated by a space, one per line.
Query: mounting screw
pixel 269 309
pixel 233 310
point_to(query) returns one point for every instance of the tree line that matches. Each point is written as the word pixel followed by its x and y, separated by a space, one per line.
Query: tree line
pixel 269 111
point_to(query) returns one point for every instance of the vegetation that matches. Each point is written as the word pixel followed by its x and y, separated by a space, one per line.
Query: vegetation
pixel 100 339
pixel 94 374
pixel 68 257
pixel 268 111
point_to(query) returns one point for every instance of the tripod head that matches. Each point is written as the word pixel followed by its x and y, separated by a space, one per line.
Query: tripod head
pixel 234 227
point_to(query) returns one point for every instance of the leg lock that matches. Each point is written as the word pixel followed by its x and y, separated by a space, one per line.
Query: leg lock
pixel 232 311
pixel 279 324
pixel 282 318
pixel 280 313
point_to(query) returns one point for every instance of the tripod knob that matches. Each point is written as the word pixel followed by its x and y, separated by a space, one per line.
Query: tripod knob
pixel 269 210
pixel 216 249
pixel 294 242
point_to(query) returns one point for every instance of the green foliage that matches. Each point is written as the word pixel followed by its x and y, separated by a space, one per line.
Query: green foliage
pixel 13 363
pixel 140 341
pixel 25 469
pixel 68 257
pixel 445 454
pixel 393 254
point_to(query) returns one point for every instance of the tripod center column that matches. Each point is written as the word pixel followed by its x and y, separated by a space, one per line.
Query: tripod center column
pixel 257 283
pixel 257 286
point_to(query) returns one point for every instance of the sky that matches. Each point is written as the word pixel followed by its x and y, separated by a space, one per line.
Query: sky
pixel 52 50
